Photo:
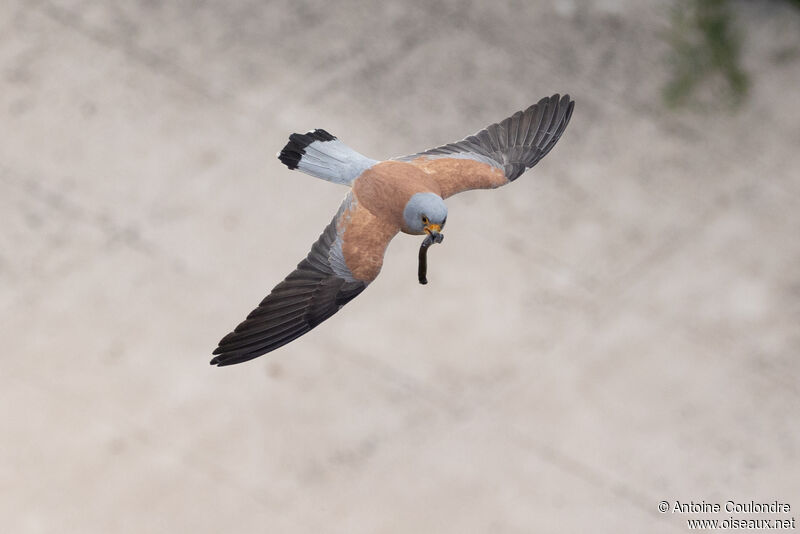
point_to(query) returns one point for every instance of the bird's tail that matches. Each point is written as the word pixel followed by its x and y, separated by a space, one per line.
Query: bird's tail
pixel 320 154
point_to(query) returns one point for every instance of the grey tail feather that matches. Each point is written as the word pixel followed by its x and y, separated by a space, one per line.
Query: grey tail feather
pixel 296 147
pixel 321 154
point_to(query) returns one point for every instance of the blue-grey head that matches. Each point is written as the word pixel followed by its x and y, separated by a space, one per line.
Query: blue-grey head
pixel 425 213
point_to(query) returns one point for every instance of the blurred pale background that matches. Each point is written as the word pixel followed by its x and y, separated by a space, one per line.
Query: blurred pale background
pixel 618 327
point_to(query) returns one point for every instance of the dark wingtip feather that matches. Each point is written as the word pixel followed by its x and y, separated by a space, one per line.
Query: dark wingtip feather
pixel 224 362
pixel 304 299
pixel 294 150
pixel 539 128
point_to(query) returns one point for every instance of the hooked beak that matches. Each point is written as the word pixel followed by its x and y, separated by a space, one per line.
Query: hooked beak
pixel 434 231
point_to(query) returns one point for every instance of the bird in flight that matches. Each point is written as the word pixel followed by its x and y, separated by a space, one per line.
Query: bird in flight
pixel 403 194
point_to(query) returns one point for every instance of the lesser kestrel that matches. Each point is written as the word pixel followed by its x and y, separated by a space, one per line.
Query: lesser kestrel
pixel 386 197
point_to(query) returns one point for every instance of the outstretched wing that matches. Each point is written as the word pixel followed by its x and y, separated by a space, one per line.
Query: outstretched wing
pixel 340 266
pixel 499 153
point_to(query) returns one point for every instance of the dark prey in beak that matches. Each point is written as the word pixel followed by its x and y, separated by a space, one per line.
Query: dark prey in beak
pixel 422 270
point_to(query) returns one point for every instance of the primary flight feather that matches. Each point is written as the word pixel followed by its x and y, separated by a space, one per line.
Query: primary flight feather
pixel 386 197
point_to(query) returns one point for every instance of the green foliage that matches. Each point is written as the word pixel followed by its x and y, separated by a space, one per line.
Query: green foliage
pixel 705 52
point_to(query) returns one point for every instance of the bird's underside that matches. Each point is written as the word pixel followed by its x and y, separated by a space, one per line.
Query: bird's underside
pixel 349 253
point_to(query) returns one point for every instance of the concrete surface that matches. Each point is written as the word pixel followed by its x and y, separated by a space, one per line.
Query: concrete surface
pixel 617 328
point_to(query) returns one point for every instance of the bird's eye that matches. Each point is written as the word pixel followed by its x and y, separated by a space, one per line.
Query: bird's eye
pixel 424 220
